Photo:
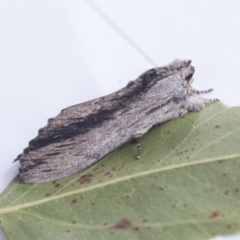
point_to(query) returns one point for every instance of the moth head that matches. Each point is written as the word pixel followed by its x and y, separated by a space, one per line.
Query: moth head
pixel 180 64
pixel 187 71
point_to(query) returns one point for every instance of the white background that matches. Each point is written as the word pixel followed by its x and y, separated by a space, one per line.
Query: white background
pixel 54 54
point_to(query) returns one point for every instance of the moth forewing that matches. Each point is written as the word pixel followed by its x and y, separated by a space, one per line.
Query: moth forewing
pixel 84 133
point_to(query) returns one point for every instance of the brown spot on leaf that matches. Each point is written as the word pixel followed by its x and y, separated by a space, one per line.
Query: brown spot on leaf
pixel 186 150
pixel 214 214
pixel 86 178
pixel 144 220
pixel 226 192
pixel 193 149
pixel 179 153
pixel 229 226
pixel 217 126
pixel 237 190
pixel 47 194
pixel 224 174
pixel 74 201
pixel 123 224
pixel 74 221
pixel 121 167
pixel 56 185
pixel 114 168
pixel 68 231
pixel 185 205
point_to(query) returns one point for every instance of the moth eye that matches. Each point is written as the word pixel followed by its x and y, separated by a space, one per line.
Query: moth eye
pixel 188 77
pixel 189 72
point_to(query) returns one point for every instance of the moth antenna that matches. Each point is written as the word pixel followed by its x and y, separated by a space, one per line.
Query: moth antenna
pixel 201 91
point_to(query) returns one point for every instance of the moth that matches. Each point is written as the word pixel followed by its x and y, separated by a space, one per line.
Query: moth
pixel 84 133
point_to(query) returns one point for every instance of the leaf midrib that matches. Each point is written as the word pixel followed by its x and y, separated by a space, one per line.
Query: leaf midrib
pixel 111 182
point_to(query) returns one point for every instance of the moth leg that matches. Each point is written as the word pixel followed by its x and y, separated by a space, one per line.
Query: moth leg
pixel 136 141
pixel 137 137
pixel 138 145
pixel 196 104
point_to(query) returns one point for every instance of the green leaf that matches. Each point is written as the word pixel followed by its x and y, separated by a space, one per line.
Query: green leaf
pixel 185 186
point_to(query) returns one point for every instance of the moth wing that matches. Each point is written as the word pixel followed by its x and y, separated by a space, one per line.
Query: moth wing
pixel 62 148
